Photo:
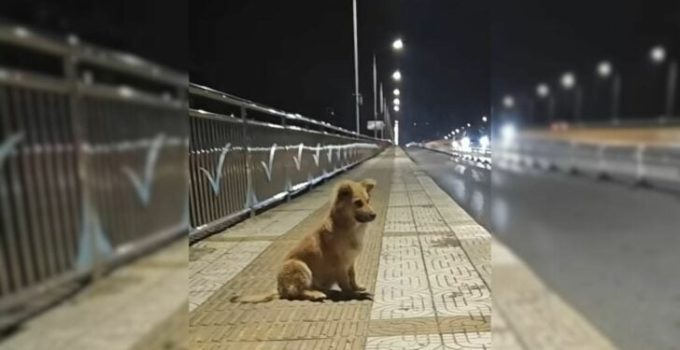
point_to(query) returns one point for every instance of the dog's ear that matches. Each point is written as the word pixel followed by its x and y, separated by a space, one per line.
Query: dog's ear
pixel 344 192
pixel 368 184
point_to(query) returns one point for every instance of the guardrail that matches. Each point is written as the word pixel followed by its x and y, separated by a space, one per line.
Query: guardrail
pixel 657 165
pixel 472 154
pixel 245 156
pixel 101 159
pixel 93 159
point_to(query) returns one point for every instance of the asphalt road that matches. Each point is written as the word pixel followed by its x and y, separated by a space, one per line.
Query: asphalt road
pixel 611 251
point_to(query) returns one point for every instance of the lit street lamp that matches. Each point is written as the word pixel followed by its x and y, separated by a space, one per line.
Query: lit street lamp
pixel 398 44
pixel 604 70
pixel 484 119
pixel 542 90
pixel 658 55
pixel 568 81
pixel 396 75
pixel 396 102
pixel 396 92
pixel 396 108
pixel 508 101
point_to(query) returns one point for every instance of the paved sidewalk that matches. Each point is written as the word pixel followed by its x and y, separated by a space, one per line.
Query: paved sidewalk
pixel 425 259
pixel 141 306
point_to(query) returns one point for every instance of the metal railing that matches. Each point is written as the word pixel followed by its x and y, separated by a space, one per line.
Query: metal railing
pixel 654 164
pixel 101 159
pixel 473 154
pixel 93 160
pixel 245 156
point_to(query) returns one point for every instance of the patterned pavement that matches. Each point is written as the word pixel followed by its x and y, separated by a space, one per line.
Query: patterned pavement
pixel 428 292
pixel 427 262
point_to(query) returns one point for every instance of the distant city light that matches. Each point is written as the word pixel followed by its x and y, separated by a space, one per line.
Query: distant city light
pixel 604 69
pixel 568 80
pixel 542 90
pixel 465 143
pixel 396 75
pixel 398 44
pixel 396 92
pixel 508 101
pixel 657 54
pixel 468 125
pixel 484 141
pixel 508 132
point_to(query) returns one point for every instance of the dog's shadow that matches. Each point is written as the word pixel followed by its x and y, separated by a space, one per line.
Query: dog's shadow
pixel 338 296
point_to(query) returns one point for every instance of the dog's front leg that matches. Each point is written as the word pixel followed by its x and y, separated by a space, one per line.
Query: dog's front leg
pixel 353 280
pixel 345 283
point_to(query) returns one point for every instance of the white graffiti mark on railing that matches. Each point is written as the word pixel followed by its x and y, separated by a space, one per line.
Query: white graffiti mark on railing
pixel 316 155
pixel 330 154
pixel 93 245
pixel 215 181
pixel 268 167
pixel 298 159
pixel 143 187
pixel 8 146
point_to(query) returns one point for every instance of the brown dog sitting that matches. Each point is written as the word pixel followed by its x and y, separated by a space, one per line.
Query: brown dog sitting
pixel 326 256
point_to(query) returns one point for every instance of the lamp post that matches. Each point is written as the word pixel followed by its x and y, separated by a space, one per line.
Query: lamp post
pixel 658 55
pixel 604 71
pixel 568 81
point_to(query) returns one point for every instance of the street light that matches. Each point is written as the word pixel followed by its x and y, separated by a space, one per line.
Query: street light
pixel 468 125
pixel 396 75
pixel 604 69
pixel 657 54
pixel 396 92
pixel 398 44
pixel 568 80
pixel 484 119
pixel 542 90
pixel 396 108
pixel 396 102
pixel 508 101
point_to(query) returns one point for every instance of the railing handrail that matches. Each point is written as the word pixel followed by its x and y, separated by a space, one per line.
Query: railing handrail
pixel 60 46
pixel 242 102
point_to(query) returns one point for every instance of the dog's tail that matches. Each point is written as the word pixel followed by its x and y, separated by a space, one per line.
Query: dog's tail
pixel 257 298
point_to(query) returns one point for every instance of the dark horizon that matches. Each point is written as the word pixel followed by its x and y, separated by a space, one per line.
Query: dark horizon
pixel 459 60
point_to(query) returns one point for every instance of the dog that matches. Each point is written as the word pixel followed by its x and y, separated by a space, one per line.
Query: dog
pixel 327 255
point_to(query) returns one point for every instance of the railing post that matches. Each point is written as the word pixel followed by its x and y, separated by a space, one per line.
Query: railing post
pixel 249 171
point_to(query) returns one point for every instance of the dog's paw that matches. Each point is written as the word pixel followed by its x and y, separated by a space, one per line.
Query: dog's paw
pixel 363 295
pixel 359 288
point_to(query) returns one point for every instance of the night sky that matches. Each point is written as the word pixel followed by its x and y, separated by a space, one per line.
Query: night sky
pixel 460 57
pixel 299 56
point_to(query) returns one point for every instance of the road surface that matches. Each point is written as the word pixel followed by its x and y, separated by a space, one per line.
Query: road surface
pixel 611 251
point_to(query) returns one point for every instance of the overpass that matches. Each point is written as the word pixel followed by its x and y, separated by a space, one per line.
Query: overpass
pixel 111 167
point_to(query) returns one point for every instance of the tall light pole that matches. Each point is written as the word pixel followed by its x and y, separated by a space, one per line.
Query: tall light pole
pixel 375 97
pixel 356 67
pixel 397 45
pixel 658 55
pixel 543 92
pixel 604 70
pixel 568 81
